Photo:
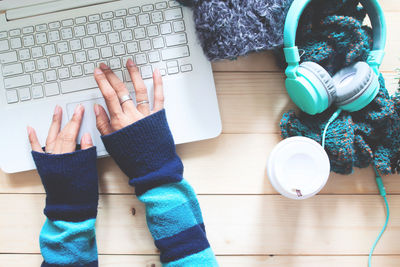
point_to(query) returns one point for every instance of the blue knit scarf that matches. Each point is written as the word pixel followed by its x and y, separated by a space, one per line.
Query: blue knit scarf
pixel 331 34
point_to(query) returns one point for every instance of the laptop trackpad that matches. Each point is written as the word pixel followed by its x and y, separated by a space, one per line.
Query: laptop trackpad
pixel 89 121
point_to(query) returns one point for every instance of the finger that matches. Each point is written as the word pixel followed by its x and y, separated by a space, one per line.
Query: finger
pixel 140 87
pixel 102 120
pixel 120 88
pixel 109 94
pixel 34 140
pixel 54 129
pixel 86 141
pixel 158 91
pixel 66 140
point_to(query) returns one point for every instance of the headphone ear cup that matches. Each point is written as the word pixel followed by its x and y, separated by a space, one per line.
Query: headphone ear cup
pixel 321 80
pixel 354 81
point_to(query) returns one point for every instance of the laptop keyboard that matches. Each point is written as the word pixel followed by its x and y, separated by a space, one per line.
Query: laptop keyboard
pixel 59 57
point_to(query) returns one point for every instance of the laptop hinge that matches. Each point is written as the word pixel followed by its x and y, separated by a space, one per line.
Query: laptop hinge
pixel 49 7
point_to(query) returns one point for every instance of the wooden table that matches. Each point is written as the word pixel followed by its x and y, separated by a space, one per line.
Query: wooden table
pixel 248 223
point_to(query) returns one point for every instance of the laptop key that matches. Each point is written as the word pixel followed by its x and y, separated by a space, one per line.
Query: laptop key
pixel 37 91
pixel 176 39
pixel 41 27
pixel 78 84
pixel 147 8
pixel 27 30
pixel 12 96
pixel 38 77
pixel 24 94
pixel 147 72
pixel 134 10
pixel 94 17
pixel 16 43
pixel 161 5
pixel 176 52
pixel 17 81
pixel 172 14
pixel 13 69
pixel 29 66
pixel 120 13
pixel 4 45
pixel 8 57
pixel 51 89
pixel 67 22
pixel 54 25
pixel 186 68
pixel 15 32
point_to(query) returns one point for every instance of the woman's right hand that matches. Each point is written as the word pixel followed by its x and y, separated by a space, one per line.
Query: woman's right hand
pixel 62 141
pixel 113 89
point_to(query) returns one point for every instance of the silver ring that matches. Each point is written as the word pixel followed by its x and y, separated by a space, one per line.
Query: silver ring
pixel 48 152
pixel 124 98
pixel 142 102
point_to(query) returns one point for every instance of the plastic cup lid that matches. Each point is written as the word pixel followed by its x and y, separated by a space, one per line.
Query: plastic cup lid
pixel 298 167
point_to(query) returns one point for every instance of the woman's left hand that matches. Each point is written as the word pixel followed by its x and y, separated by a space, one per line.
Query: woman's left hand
pixel 64 141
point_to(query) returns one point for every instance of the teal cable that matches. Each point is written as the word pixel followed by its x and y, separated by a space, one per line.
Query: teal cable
pixel 382 191
pixel 334 117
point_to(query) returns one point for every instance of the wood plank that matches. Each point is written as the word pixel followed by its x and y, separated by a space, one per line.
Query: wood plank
pixel 23 260
pixel 265 61
pixel 245 225
pixel 255 102
pixel 229 164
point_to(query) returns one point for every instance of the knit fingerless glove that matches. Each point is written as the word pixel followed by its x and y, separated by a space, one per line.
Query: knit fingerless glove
pixel 71 184
pixel 145 152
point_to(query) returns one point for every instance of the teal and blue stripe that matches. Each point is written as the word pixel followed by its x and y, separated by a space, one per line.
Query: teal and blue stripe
pixel 175 221
pixel 145 152
pixel 68 237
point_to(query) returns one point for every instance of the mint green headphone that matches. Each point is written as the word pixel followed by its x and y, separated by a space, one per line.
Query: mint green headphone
pixel 311 87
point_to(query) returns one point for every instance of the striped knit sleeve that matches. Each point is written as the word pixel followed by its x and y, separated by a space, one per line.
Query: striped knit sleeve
pixel 145 151
pixel 68 238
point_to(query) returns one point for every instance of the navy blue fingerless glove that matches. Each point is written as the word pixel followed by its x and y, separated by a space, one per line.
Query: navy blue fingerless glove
pixel 145 152
pixel 71 184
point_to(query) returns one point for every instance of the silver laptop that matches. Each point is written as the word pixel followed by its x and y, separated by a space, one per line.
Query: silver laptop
pixel 49 49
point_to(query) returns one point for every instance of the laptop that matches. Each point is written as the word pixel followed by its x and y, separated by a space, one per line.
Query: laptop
pixel 49 49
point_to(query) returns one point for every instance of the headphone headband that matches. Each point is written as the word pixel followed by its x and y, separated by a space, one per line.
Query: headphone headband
pixel 374 11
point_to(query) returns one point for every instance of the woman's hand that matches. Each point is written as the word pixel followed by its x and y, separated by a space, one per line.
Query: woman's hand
pixel 113 90
pixel 61 142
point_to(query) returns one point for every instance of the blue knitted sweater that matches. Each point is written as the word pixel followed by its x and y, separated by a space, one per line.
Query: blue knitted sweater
pixel 145 151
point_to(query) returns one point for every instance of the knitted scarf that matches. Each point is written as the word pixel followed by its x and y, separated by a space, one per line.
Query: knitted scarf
pixel 231 28
pixel 331 34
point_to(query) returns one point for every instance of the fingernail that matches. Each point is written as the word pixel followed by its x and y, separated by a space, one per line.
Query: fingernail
pixel 57 109
pixel 96 110
pixel 157 72
pixel 87 139
pixel 103 66
pixel 130 63
pixel 29 129
pixel 97 71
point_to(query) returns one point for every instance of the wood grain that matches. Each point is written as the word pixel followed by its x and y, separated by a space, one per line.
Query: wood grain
pixel 224 261
pixel 229 164
pixel 236 225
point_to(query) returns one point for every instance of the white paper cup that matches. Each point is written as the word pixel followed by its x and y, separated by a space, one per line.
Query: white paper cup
pixel 298 167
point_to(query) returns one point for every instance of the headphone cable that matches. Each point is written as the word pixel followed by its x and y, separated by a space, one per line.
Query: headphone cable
pixel 331 119
pixel 382 191
pixel 379 182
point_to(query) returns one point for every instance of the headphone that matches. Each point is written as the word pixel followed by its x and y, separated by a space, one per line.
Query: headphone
pixel 311 87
